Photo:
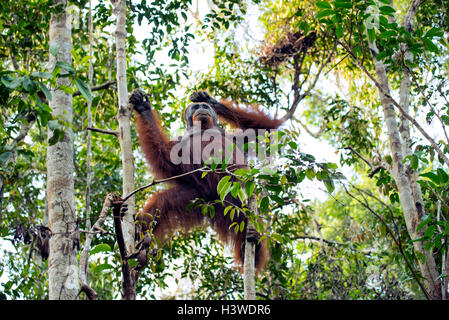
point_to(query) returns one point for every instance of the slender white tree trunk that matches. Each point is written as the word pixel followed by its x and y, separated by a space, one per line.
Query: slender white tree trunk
pixel 124 120
pixel 124 135
pixel 63 272
pixel 410 194
pixel 249 271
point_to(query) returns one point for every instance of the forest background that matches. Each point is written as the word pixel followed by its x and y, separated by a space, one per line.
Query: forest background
pixel 356 206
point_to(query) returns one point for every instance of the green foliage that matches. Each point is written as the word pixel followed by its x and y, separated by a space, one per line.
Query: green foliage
pixel 333 248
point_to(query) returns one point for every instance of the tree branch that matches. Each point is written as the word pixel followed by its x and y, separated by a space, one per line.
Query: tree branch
pixel 102 86
pixel 84 256
pixel 154 182
pixel 396 241
pixel 398 106
pixel 296 88
pixel 114 133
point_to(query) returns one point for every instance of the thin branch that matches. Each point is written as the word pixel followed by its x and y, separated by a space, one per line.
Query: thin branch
pixel 396 241
pixel 421 90
pixel 398 106
pixel 436 195
pixel 315 135
pixel 84 256
pixel 154 182
pixel 102 86
pixel 296 88
pixel 359 155
pixel 114 133
pixel 307 237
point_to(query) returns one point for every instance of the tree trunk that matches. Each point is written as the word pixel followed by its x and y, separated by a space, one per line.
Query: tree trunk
pixel 409 192
pixel 249 272
pixel 63 272
pixel 124 120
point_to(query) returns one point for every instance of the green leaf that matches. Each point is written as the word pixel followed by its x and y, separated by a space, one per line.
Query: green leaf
pixel 278 238
pixel 329 186
pixel 325 13
pixel 388 34
pixel 44 90
pixel 190 205
pixel 339 31
pixel 371 35
pixel 249 188
pixel 231 215
pixel 54 50
pixel 102 247
pixel 442 175
pixel 387 9
pixel 414 162
pixel 242 172
pixel 242 226
pixel 341 4
pixel 10 82
pixel 241 195
pixel 211 211
pixel 65 66
pixel 85 60
pixel 226 210
pixel 310 173
pixel 44 75
pixel 29 85
pixel 102 267
pixel 322 175
pixel 331 165
pixel 430 45
pixel 221 185
pixel 264 204
pixel 429 231
pixel 4 156
pixel 432 176
pixel 235 189
pixel 204 209
pixel 426 220
pixel 277 199
pixel 84 89
pixel 323 5
pixel 382 55
pixel 44 116
pixel 434 32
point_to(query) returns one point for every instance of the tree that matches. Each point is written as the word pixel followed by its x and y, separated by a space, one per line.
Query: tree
pixel 366 78
pixel 63 272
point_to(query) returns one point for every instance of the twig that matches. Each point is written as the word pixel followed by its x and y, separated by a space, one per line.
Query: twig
pixel 84 256
pixel 314 135
pixel 359 155
pixel 397 105
pixel 296 88
pixel 154 182
pixel 114 133
pixel 396 241
pixel 307 237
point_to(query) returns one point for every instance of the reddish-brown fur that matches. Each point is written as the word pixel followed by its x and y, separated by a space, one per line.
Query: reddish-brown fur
pixel 168 207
